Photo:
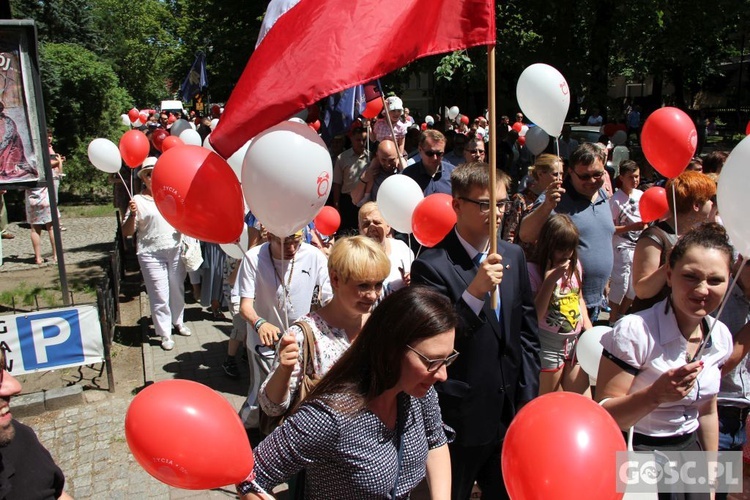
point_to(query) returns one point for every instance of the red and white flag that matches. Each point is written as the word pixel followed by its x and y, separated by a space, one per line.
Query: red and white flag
pixel 310 49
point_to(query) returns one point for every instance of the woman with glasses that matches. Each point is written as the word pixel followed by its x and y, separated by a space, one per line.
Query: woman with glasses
pixel 546 172
pixel 372 427
pixel 159 257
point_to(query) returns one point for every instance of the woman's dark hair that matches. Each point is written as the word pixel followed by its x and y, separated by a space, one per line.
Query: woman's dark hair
pixel 559 232
pixel 706 235
pixel 373 362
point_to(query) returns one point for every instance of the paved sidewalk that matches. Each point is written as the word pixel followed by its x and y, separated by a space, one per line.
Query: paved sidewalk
pixel 88 441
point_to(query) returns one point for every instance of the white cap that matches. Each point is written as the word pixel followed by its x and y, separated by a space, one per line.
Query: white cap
pixel 394 103
pixel 149 162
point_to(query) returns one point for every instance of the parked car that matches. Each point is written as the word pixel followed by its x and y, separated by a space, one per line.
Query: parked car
pixel 615 154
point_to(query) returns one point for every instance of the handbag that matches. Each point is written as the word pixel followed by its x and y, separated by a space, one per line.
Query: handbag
pixel 190 253
pixel 268 423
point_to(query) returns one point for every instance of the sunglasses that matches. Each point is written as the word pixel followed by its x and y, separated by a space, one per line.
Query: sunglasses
pixel 434 154
pixel 434 365
pixel 484 205
pixel 587 177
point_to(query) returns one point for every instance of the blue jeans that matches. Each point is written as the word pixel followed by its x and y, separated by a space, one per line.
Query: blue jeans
pixel 732 437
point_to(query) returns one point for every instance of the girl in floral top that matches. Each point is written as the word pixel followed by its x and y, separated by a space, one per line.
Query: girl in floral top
pixel 555 276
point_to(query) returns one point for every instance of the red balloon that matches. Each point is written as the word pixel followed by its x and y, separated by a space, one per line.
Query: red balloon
pixel 653 204
pixel 134 148
pixel 669 140
pixel 517 126
pixel 315 125
pixel 522 140
pixel 327 221
pixel 199 194
pixel 188 436
pixel 171 119
pixel 424 126
pixel 747 128
pixel 215 111
pixel 464 119
pixel 373 108
pixel 609 129
pixel 562 445
pixel 433 218
pixel 170 141
pixel 143 116
pixel 133 115
pixel 158 137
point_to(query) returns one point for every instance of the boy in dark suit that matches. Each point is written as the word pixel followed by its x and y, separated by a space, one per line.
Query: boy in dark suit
pixel 498 369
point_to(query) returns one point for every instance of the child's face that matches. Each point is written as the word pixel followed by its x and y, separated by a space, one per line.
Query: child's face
pixel 559 256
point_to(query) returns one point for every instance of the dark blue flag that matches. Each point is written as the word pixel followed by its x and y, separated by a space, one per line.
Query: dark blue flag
pixel 196 79
pixel 340 110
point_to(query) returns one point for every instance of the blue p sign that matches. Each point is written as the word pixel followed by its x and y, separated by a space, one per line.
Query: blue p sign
pixel 50 339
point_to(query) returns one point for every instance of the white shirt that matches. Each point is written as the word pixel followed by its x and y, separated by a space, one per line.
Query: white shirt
pixel 154 232
pixel 259 275
pixel 400 256
pixel 650 341
pixel 625 210
pixel 474 303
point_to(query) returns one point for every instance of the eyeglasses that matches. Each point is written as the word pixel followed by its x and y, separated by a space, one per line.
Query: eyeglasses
pixel 476 151
pixel 434 365
pixel 434 153
pixel 587 177
pixel 484 205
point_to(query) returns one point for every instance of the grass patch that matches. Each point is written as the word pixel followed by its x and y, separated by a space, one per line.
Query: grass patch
pixel 85 211
pixel 27 296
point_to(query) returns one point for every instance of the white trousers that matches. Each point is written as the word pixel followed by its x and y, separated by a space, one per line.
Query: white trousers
pixel 260 367
pixel 164 276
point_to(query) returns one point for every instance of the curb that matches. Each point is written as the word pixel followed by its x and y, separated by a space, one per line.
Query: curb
pixel 36 403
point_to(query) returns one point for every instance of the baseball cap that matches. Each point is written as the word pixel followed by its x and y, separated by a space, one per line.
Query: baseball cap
pixel 394 103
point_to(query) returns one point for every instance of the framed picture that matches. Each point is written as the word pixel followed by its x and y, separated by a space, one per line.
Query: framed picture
pixel 23 149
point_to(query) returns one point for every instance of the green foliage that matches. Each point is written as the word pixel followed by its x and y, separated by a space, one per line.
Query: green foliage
pixel 83 101
pixel 139 42
pixel 452 63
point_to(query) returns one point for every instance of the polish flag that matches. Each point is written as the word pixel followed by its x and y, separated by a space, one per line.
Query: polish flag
pixel 310 49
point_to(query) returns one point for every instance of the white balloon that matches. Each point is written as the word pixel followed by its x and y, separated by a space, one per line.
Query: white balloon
pixel 398 196
pixel 589 350
pixel 238 248
pixel 286 177
pixel 429 120
pixel 619 138
pixel 207 144
pixel 235 161
pixel 214 122
pixel 536 140
pixel 105 155
pixel 137 123
pixel 453 112
pixel 191 137
pixel 734 203
pixel 544 97
pixel 125 120
pixel 524 131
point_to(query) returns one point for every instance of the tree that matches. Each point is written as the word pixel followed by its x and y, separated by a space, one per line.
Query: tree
pixel 83 100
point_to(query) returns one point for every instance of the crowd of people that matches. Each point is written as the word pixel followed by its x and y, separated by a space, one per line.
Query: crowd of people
pixel 371 369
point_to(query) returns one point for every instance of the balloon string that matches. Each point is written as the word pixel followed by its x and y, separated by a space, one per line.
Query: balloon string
pixel 557 145
pixel 418 251
pixel 721 309
pixel 131 181
pixel 130 193
pixel 674 207
pixel 285 288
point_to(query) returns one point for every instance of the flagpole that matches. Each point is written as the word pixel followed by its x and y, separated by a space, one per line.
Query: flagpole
pixel 491 105
pixel 401 161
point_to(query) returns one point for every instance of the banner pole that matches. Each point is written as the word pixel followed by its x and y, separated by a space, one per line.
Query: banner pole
pixel 492 111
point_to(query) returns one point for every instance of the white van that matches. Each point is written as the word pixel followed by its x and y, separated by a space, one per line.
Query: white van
pixel 173 106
